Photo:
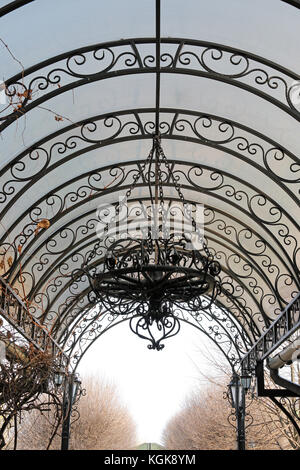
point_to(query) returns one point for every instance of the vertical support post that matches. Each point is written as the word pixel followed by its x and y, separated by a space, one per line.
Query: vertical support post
pixel 260 378
pixel 157 109
pixel 158 41
pixel 67 410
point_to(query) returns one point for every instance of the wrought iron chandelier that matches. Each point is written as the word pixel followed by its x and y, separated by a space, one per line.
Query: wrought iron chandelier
pixel 154 277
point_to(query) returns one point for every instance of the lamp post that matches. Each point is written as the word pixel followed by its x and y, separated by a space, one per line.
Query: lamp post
pixel 238 388
pixel 72 384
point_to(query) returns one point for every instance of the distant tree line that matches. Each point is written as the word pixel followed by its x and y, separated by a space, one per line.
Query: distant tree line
pixel 101 422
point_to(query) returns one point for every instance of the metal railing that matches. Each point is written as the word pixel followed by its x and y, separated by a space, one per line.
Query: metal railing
pixel 15 312
pixel 278 332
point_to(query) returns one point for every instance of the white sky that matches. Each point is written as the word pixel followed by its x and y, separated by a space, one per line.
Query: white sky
pixel 153 384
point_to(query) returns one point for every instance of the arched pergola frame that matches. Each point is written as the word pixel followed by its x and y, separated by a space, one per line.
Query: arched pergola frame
pixel 251 232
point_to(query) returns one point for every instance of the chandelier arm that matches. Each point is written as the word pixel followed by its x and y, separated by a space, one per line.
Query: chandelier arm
pixel 176 323
pixel 149 278
pixel 143 327
pixel 130 279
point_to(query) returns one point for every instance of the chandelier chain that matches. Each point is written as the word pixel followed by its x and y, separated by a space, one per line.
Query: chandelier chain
pixel 182 199
pixel 118 207
pixel 187 210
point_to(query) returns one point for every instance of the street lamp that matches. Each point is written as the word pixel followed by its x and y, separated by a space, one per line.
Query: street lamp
pixel 237 388
pixel 72 387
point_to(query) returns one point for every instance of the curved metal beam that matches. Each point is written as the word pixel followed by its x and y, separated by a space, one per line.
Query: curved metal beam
pixel 286 412
pixel 232 247
pixel 93 327
pixel 226 270
pixel 77 330
pixel 231 361
pixel 13 6
pixel 70 247
pixel 35 240
pixel 293 3
pixel 206 121
pixel 262 76
pixel 171 128
pixel 62 260
pixel 19 3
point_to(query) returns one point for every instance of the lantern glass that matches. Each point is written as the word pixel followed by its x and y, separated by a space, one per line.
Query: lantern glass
pixel 240 393
pixel 232 388
pixel 76 385
pixel 246 381
pixel 236 391
pixel 58 378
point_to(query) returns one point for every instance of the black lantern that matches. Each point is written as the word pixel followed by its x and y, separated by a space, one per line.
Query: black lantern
pixel 237 398
pixel 236 391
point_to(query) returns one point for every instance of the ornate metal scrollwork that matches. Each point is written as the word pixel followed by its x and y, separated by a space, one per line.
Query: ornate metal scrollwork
pixel 215 61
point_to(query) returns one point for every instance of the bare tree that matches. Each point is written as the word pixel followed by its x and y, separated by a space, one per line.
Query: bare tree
pixel 201 423
pixel 103 422
pixel 26 384
pixel 205 416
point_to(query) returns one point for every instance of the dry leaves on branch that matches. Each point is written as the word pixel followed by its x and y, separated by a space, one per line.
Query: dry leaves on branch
pixel 42 224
